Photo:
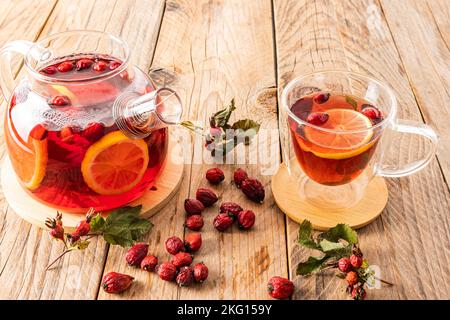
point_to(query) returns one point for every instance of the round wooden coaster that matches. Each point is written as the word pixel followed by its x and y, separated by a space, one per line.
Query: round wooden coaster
pixel 36 212
pixel 286 196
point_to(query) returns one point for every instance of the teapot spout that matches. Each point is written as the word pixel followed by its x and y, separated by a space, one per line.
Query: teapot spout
pixel 138 115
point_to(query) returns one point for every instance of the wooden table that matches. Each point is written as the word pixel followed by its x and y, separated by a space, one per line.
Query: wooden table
pixel 211 51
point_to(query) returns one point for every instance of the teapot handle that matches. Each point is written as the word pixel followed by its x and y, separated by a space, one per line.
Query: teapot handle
pixel 6 73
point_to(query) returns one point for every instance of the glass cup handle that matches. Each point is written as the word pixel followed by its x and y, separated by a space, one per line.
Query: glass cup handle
pixel 412 127
pixel 6 73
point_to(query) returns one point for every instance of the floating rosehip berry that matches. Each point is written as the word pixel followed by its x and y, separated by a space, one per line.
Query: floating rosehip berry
pixel 174 245
pixel 253 189
pixel 193 206
pixel 200 272
pixel 185 277
pixel 239 176
pixel 206 196
pixel 166 271
pixel 114 282
pixel 193 242
pixel 344 265
pixel 321 97
pixel 94 131
pixel 194 222
pixel 352 278
pixel 215 175
pixel 230 208
pixel 38 132
pixel 136 254
pixel 317 118
pixel 372 113
pixel 49 70
pixel 181 259
pixel 356 261
pixel 83 64
pixel 65 66
pixel 358 293
pixel 114 65
pixel 100 66
pixel 246 219
pixel 149 263
pixel 59 101
pixel 280 288
pixel 223 221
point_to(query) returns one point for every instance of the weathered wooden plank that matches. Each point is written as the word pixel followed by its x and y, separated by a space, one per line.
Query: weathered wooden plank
pixel 219 50
pixel 336 35
pixel 26 250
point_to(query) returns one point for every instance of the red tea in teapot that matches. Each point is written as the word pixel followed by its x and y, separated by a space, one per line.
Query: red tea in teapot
pixel 63 141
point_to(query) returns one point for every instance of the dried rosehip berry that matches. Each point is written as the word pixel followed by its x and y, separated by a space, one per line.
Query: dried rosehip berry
pixel 94 131
pixel 59 101
pixel 352 278
pixel 206 196
pixel 344 265
pixel 136 254
pixel 246 219
pixel 317 118
pixel 166 271
pixel 371 112
pixel 253 189
pixel 49 70
pixel 358 293
pixel 223 221
pixel 239 176
pixel 181 259
pixel 114 282
pixel 185 277
pixel 200 272
pixel 83 64
pixel 230 208
pixel 114 65
pixel 65 66
pixel 56 226
pixel 280 288
pixel 100 66
pixel 215 175
pixel 174 245
pixel 149 263
pixel 193 242
pixel 356 260
pixel 193 206
pixel 194 223
pixel 321 97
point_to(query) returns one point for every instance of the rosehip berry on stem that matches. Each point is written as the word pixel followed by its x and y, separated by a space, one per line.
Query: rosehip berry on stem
pixel 344 265
pixel 149 263
pixel 194 222
pixel 356 260
pixel 181 259
pixel 185 277
pixel 239 176
pixel 193 206
pixel 166 271
pixel 65 66
pixel 358 293
pixel 56 226
pixel 246 219
pixel 321 97
pixel 174 245
pixel 230 208
pixel 352 278
pixel 280 288
pixel 136 254
pixel 206 196
pixel 200 272
pixel 100 66
pixel 215 131
pixel 59 101
pixel 50 70
pixel 253 189
pixel 317 118
pixel 215 175
pixel 223 221
pixel 114 282
pixel 193 242
pixel 83 64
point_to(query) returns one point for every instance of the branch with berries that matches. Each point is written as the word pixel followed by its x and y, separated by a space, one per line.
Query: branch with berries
pixel 340 251
pixel 123 227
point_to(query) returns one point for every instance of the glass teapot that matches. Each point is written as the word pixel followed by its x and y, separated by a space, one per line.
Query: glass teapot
pixel 84 128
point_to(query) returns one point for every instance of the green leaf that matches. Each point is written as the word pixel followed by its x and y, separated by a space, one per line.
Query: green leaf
pixel 221 117
pixel 351 102
pixel 329 246
pixel 341 231
pixel 311 265
pixel 305 235
pixel 81 245
pixel 246 129
pixel 191 126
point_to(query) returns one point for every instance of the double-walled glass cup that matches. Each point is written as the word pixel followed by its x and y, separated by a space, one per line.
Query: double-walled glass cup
pixel 329 175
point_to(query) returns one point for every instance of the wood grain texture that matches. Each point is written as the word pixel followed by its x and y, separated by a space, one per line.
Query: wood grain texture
pixel 313 35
